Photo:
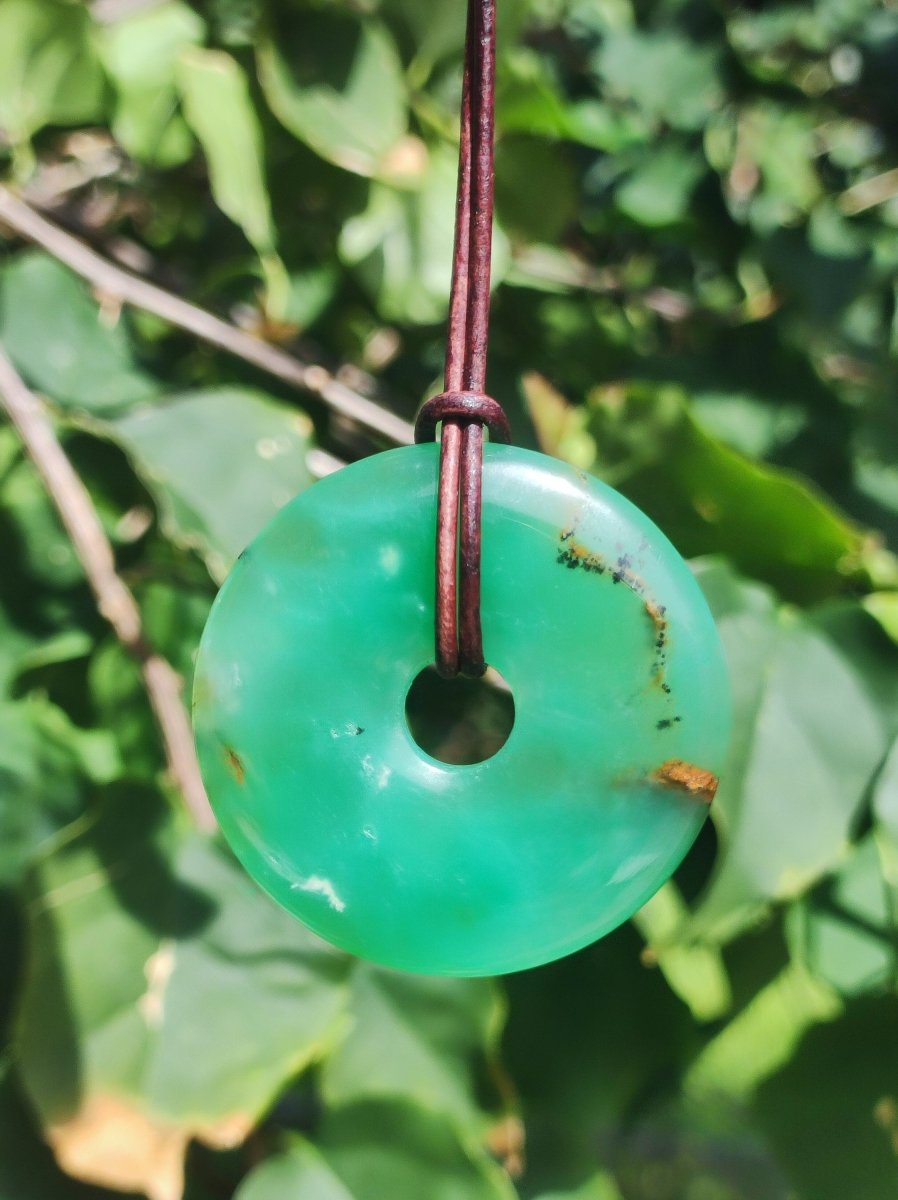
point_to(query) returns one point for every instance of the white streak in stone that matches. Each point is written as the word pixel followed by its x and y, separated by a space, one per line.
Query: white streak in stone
pixel 321 887
pixel 380 775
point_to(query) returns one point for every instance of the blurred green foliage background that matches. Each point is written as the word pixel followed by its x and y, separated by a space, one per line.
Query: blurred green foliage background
pixel 695 269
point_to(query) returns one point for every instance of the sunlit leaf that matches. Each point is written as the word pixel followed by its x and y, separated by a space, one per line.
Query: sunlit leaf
pixel 844 931
pixel 220 464
pixel 401 245
pixel 140 54
pixel 49 71
pixel 709 498
pixel 300 1171
pixel 659 190
pixel 763 1037
pixel 219 110
pixel 165 998
pixel 370 1149
pixel 695 972
pixel 814 707
pixel 42 782
pixel 416 1039
pixel 666 75
pixel 336 83
pixel 883 607
pixel 62 342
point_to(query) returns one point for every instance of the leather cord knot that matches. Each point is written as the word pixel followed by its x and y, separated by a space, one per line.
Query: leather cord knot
pixel 464 407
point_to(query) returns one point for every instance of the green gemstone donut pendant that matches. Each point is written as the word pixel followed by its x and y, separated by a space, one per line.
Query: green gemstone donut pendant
pixel 621 716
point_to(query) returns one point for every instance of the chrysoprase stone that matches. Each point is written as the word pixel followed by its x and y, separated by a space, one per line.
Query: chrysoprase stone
pixel 621 716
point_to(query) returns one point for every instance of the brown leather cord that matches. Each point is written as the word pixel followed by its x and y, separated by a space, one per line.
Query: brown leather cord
pixel 463 408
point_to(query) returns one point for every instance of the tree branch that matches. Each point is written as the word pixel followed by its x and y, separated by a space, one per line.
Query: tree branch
pixel 120 284
pixel 114 600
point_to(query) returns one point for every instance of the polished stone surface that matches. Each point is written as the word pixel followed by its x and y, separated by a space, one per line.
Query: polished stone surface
pixel 621 702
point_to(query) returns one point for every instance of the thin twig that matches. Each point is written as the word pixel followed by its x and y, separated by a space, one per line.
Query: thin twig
pixel 114 600
pixel 320 463
pixel 117 283
pixel 869 193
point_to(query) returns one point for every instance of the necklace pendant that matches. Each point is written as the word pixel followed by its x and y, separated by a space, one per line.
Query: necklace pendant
pixel 621 716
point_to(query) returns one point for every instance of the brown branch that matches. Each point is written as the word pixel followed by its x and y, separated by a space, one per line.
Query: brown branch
pixel 114 600
pixel 869 193
pixel 320 463
pixel 116 282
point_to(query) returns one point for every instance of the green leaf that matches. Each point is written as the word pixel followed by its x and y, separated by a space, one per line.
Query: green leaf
pixel 746 423
pixel 414 1038
pixel 529 101
pixel 219 463
pixel 120 704
pixel 589 1038
pixel 831 1114
pixel 814 705
pixel 695 972
pixel 174 615
pixel 42 784
pixel 219 109
pixel 659 190
pixel 666 75
pixel 401 245
pixel 782 143
pixel 763 1037
pixel 883 607
pixel 777 153
pixel 49 73
pixel 437 30
pixel 359 1142
pixel 165 996
pixel 43 613
pixel 300 1172
pixel 560 427
pixel 369 1150
pixel 310 293
pixel 140 53
pixel 844 931
pixel 61 341
pixel 45 554
pixel 336 83
pixel 710 499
